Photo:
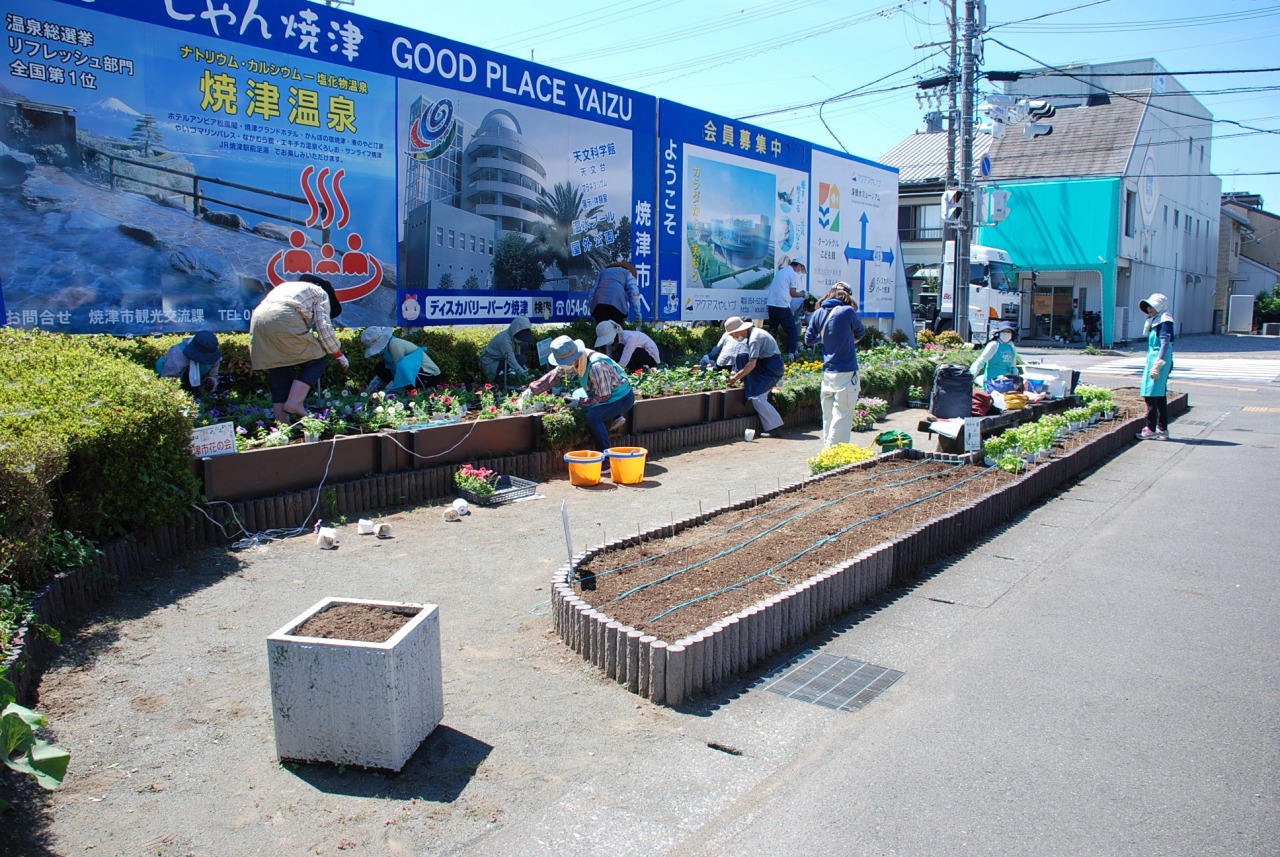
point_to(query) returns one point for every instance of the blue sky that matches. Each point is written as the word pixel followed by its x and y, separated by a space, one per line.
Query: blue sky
pixel 776 61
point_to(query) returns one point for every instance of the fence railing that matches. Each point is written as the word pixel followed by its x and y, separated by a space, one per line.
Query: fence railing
pixel 198 195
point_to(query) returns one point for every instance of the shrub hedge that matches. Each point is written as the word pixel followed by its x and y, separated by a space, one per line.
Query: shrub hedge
pixel 92 443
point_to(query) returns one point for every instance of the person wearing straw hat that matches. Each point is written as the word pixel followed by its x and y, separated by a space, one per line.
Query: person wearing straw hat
pixel 639 351
pixel 281 340
pixel 195 360
pixel 404 365
pixel 761 370
pixel 601 386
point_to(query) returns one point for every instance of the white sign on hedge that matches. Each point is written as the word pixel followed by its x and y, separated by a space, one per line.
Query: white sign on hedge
pixel 208 441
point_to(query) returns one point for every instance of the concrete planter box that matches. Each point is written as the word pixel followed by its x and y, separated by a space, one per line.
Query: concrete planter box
pixel 265 472
pixel 666 412
pixel 345 702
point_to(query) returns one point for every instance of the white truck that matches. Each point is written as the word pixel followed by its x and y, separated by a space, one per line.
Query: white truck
pixel 993 291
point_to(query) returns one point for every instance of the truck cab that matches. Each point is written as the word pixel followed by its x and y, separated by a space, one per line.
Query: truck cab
pixel 993 292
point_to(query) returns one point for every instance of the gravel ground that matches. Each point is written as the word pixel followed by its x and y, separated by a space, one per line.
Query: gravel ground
pixel 163 698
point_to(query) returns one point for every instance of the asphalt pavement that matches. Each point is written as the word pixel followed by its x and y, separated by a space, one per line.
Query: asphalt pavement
pixel 1099 676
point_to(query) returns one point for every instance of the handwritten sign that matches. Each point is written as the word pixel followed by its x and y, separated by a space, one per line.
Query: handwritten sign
pixel 208 441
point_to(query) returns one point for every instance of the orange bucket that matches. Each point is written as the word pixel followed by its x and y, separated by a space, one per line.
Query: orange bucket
pixel 627 464
pixel 584 466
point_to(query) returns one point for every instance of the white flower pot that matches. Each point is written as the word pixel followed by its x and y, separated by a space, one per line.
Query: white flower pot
pixel 355 703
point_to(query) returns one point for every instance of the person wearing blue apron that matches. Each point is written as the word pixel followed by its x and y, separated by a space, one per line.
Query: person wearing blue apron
pixel 1155 376
pixel 602 386
pixel 404 365
pixel 758 365
pixel 998 356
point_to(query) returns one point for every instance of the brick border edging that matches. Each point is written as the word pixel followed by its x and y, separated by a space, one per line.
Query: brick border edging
pixel 68 597
pixel 668 673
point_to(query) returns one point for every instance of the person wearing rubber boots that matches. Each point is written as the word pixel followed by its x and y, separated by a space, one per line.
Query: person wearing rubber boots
pixel 1155 376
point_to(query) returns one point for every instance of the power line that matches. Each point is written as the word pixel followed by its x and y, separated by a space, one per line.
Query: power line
pixel 1130 97
pixel 1144 25
pixel 1038 74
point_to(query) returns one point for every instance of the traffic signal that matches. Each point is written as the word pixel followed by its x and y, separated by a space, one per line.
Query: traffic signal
pixel 953 205
pixel 1037 110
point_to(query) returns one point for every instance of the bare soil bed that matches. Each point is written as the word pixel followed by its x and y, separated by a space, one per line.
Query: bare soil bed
pixel 677 586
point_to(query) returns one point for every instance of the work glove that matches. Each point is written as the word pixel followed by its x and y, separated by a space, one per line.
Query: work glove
pixel 374 386
pixel 344 363
pixel 1155 369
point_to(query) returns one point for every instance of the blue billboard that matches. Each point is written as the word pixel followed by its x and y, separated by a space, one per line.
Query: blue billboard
pixel 166 162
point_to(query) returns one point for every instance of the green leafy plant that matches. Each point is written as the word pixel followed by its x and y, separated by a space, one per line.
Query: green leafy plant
pixel 915 393
pixel 24 751
pixel 565 430
pixel 313 425
pixel 477 480
pixel 1011 463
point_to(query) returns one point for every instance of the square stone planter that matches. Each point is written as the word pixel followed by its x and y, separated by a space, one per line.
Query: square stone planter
pixel 353 703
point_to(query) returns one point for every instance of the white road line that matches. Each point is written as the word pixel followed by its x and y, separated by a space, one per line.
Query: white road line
pixel 1197 368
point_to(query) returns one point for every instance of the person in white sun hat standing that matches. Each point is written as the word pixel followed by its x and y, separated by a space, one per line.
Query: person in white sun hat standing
pixel 761 369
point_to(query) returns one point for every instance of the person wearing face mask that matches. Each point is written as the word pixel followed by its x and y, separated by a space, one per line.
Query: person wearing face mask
pixel 1155 378
pixel 998 357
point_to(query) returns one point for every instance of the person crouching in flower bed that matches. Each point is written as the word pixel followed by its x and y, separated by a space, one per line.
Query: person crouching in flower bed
pixel 639 351
pixel 758 366
pixel 602 386
pixel 404 365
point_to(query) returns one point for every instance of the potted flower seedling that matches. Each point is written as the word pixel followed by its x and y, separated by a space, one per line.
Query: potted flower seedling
pixel 915 396
pixel 312 427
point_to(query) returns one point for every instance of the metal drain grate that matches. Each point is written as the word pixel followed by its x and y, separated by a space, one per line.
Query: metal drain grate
pixel 844 684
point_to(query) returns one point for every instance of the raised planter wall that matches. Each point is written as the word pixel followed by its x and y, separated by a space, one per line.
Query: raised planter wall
pixel 670 672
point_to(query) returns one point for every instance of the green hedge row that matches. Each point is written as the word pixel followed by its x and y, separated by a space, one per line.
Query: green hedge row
pixel 93 443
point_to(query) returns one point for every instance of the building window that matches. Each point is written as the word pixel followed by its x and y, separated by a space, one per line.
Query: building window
pixel 1176 215
pixel 920 222
pixel 439 236
pixel 1166 215
pixel 451 238
pixel 1130 214
pixel 473 244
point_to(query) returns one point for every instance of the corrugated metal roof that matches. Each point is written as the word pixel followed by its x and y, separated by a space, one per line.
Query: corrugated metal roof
pixel 1086 141
pixel 922 157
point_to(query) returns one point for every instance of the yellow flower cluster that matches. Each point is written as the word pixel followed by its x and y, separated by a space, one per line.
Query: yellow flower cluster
pixel 802 367
pixel 834 457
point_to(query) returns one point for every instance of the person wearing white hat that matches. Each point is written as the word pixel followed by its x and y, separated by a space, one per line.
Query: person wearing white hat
pixel 639 351
pixel 998 357
pixel 601 385
pixel 761 371
pixel 1155 376
pixel 404 365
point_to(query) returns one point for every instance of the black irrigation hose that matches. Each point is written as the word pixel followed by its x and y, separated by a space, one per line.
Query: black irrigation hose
pixel 777 527
pixel 730 529
pixel 824 541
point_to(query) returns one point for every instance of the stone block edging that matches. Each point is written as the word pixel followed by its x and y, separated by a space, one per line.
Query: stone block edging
pixel 671 672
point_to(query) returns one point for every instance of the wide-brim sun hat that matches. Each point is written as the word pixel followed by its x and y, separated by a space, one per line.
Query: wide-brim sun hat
pixel 565 351
pixel 607 332
pixel 202 348
pixel 375 339
pixel 734 324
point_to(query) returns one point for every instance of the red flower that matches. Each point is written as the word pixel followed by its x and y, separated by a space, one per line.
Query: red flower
pixel 413 392
pixel 488 386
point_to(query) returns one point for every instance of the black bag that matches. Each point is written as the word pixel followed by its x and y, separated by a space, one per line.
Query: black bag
pixel 952 394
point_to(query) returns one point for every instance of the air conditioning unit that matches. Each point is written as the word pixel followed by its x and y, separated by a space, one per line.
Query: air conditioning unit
pixel 1122 324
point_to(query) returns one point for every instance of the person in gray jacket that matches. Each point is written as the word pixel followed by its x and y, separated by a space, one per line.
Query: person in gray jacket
pixel 502 355
pixel 616 295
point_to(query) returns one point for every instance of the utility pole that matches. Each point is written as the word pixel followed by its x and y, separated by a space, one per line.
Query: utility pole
pixel 964 228
pixel 951 100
